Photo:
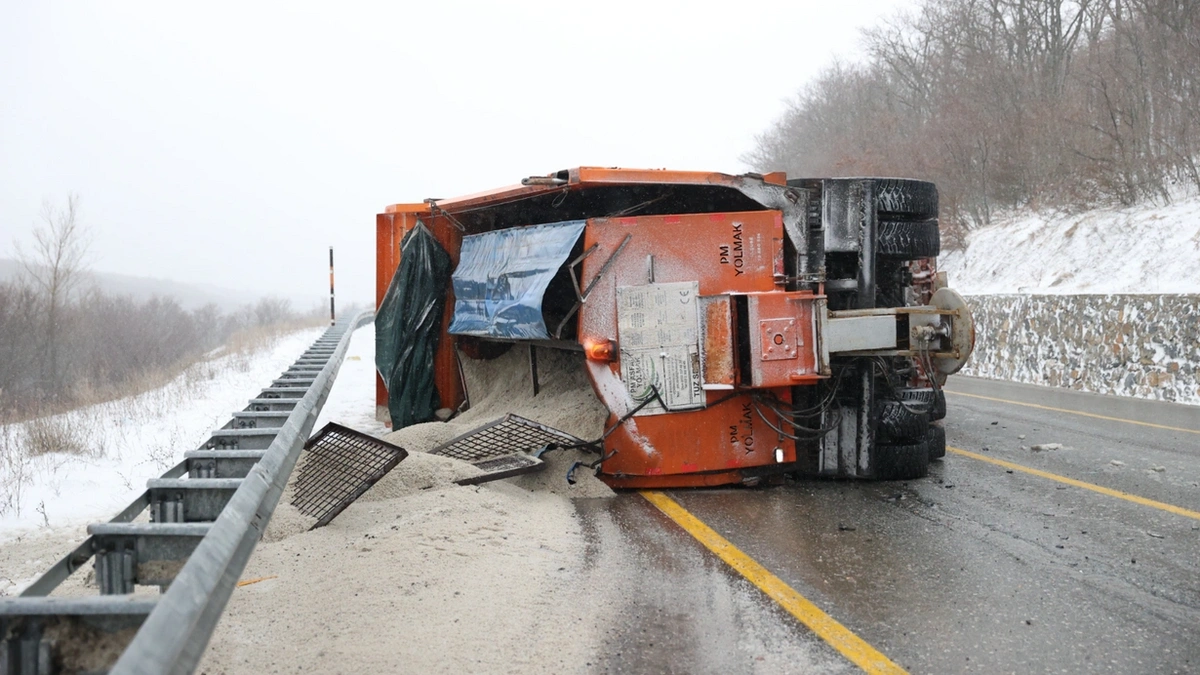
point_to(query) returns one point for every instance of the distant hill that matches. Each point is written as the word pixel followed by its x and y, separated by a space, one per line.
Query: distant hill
pixel 189 296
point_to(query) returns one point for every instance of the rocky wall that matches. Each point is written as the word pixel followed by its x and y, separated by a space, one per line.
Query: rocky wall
pixel 1130 345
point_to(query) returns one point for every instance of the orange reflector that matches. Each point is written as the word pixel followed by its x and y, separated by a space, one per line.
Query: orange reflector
pixel 599 350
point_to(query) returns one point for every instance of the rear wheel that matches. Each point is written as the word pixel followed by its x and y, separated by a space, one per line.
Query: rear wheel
pixel 908 240
pixel 901 462
pixel 927 398
pixel 936 440
pixel 901 423
pixel 909 199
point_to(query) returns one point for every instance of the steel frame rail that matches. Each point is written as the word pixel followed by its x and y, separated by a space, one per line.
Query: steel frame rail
pixel 203 531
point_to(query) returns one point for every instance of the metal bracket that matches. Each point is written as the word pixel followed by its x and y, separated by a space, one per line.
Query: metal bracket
pixel 583 294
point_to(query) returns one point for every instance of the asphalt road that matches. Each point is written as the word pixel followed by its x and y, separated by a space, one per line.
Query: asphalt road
pixel 978 568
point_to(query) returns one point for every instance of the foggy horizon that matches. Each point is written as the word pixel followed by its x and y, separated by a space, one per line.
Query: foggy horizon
pixel 232 145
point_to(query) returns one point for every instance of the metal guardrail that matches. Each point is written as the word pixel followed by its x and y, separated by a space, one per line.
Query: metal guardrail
pixel 198 562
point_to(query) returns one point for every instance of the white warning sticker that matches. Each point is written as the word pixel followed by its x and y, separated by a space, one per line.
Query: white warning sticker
pixel 658 329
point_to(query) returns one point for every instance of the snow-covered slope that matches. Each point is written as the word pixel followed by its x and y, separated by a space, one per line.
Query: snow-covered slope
pixel 1142 249
pixel 130 440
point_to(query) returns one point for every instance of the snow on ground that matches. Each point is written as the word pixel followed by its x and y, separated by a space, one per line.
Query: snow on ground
pixel 351 400
pixel 134 439
pixel 1141 249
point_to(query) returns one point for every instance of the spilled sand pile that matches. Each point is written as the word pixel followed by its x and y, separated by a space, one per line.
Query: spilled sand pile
pixel 422 575
pixel 515 576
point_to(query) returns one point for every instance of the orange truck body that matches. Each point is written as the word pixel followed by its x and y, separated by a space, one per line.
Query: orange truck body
pixel 738 297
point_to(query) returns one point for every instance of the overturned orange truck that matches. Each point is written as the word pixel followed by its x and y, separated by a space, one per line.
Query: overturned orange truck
pixel 737 327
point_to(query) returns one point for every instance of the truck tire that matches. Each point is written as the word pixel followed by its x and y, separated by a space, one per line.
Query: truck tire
pixel 926 397
pixel 908 199
pixel 936 440
pixel 908 240
pixel 901 462
pixel 899 423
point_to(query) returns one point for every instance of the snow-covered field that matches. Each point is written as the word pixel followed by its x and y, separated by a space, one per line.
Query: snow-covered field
pixel 128 441
pixel 1141 249
pixel 139 439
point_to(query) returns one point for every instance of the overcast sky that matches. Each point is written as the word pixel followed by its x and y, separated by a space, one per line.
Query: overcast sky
pixel 233 143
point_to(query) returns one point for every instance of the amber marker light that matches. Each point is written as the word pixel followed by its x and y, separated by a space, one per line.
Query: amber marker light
pixel 599 350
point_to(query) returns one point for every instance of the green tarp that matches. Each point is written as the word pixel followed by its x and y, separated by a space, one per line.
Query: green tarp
pixel 408 325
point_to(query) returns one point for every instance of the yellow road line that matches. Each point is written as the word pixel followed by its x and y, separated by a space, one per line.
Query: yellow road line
pixel 838 636
pixel 1076 412
pixel 247 582
pixel 1177 510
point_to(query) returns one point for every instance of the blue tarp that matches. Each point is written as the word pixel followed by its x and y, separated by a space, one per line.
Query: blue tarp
pixel 502 276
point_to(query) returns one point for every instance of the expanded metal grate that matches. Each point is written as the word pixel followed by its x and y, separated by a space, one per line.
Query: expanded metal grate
pixel 503 467
pixel 340 464
pixel 509 434
pixel 504 448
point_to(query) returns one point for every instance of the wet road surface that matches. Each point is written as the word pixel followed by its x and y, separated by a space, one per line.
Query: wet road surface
pixel 977 568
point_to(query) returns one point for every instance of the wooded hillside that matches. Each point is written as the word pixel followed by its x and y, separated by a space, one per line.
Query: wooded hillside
pixel 1010 103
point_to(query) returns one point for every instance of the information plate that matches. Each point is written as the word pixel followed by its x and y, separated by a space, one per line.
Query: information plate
pixel 658 328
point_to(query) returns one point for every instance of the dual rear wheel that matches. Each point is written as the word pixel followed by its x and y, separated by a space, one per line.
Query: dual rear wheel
pixel 910 433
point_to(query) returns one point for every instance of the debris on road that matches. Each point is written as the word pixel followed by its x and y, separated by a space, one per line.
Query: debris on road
pixel 340 464
pixel 509 446
pixel 1117 462
pixel 1043 447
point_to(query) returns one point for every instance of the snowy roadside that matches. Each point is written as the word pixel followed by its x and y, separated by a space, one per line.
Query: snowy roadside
pixel 351 400
pixel 131 440
pixel 1141 249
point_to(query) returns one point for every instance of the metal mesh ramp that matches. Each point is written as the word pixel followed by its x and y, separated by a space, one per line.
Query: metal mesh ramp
pixel 340 464
pixel 506 447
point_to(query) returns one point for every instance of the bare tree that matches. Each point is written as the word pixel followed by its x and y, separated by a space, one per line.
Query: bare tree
pixel 56 265
pixel 270 311
pixel 1009 104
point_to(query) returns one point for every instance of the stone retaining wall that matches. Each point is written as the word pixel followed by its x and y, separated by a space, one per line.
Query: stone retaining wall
pixel 1130 345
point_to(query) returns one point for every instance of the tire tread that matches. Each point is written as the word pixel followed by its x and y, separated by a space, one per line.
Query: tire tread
pixel 908 239
pixel 901 462
pixel 906 198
